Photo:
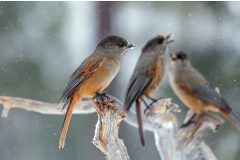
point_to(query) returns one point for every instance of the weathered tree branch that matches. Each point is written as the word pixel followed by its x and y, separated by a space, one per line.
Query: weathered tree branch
pixel 173 143
pixel 106 133
pixel 109 119
pixel 160 119
pixel 163 124
pixel 40 107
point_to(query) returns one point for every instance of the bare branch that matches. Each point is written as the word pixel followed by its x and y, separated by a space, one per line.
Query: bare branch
pixel 40 107
pixel 189 140
pixel 164 126
pixel 106 133
pixel 160 119
pixel 180 144
pixel 109 119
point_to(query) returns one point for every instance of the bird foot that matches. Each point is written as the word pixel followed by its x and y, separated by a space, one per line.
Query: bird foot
pixel 155 100
pixel 148 106
pixel 186 124
pixel 101 96
pixel 104 96
pixel 217 127
pixel 146 109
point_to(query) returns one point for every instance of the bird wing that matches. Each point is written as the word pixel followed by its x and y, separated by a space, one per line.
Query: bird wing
pixel 206 93
pixel 138 83
pixel 78 77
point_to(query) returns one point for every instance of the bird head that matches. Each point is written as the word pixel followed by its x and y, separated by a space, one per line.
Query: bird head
pixel 116 44
pixel 179 59
pixel 158 44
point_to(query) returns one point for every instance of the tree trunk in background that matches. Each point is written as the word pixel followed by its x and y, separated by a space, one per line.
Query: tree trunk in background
pixel 104 12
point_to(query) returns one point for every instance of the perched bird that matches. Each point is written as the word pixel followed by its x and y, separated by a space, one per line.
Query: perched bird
pixel 195 91
pixel 147 76
pixel 92 76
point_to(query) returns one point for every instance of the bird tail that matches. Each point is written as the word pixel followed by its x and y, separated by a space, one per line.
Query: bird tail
pixel 139 120
pixel 128 103
pixel 66 121
pixel 233 118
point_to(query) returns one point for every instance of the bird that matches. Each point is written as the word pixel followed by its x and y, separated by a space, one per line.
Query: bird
pixel 195 91
pixel 93 75
pixel 146 76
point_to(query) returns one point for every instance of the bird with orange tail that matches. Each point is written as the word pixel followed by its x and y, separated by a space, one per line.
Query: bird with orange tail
pixel 93 75
pixel 195 91
pixel 147 76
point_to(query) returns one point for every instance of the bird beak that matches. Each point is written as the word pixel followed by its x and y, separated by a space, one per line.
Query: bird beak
pixel 131 46
pixel 169 38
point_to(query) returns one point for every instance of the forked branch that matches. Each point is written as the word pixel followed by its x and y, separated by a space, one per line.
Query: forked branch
pixel 182 144
pixel 106 132
pixel 171 142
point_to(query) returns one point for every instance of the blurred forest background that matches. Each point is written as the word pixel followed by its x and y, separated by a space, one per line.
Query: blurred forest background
pixel 41 43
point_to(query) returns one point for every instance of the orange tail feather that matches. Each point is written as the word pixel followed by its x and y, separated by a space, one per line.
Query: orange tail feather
pixel 233 118
pixel 66 121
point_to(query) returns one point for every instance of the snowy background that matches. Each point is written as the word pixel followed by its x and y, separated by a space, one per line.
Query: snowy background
pixel 41 43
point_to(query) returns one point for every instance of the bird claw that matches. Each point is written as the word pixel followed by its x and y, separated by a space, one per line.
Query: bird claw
pixel 217 127
pixel 100 95
pixel 146 110
pixel 184 125
pixel 155 100
pixel 104 97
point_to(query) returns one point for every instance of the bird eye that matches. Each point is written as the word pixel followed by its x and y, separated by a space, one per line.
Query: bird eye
pixel 181 56
pixel 121 44
pixel 160 41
